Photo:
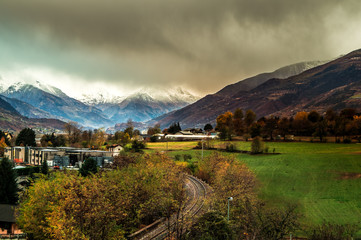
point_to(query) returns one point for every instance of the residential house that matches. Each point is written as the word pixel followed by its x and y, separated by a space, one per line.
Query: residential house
pixel 7 220
pixel 115 149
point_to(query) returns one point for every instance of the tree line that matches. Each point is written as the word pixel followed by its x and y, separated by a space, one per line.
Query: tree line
pixel 343 126
pixel 104 205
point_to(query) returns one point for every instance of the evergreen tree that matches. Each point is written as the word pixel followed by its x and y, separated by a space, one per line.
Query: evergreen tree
pixel 26 137
pixel 174 128
pixel 8 186
pixel 44 168
pixel 208 127
pixel 89 166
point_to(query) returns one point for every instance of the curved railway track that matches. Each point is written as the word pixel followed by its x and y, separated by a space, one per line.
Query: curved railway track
pixel 197 192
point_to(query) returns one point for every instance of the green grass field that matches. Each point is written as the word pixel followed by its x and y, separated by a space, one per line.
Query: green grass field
pixel 324 179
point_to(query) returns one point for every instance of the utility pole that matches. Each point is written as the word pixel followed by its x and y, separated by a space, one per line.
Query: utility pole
pixel 229 199
pixel 202 148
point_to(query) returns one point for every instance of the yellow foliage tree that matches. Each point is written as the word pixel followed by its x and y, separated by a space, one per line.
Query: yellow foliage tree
pixel 109 205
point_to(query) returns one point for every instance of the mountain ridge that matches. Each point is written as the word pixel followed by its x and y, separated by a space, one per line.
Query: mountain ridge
pixel 280 96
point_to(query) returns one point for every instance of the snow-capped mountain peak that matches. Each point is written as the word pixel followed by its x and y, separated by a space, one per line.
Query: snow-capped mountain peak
pixel 100 97
pixel 15 87
pixel 169 95
pixel 50 89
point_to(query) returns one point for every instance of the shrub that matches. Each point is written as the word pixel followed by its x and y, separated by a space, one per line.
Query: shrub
pixel 153 138
pixel 187 157
pixel 192 166
pixel 246 137
pixel 123 160
pixel 347 140
pixel 137 146
pixel 89 166
pixel 328 231
pixel 257 145
pixel 27 171
pixel 266 148
pixel 177 157
pixel 211 225
pixel 231 147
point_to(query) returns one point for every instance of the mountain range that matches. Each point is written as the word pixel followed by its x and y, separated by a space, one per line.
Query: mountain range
pixel 42 101
pixel 335 84
pixel 305 86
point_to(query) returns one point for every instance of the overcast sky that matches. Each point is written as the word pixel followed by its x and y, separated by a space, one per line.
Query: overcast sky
pixel 201 45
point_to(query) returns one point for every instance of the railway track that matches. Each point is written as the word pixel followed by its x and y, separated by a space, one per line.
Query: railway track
pixel 197 192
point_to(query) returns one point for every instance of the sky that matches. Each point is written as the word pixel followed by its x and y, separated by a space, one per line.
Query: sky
pixel 201 45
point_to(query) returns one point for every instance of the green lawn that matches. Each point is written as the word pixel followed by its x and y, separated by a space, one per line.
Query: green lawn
pixel 311 174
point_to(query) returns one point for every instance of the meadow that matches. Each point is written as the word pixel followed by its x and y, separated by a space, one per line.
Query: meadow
pixel 324 179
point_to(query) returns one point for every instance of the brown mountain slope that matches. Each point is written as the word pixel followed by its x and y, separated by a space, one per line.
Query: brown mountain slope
pixel 252 82
pixel 10 119
pixel 336 84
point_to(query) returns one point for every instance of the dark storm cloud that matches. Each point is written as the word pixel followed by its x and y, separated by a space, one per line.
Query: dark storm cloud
pixel 205 43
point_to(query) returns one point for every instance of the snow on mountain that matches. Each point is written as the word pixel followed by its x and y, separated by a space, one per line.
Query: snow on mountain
pixel 100 97
pixel 56 103
pixel 103 97
pixel 146 104
pixel 99 107
pixel 50 89
pixel 176 95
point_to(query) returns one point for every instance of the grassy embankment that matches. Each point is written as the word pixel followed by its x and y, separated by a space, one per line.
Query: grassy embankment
pixel 325 179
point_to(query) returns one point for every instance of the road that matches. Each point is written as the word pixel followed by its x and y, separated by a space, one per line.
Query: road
pixel 197 191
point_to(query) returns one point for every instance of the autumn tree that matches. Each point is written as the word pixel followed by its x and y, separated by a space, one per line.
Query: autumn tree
pixel 301 124
pixel 256 128
pixel 348 113
pixel 321 129
pixel 283 127
pixel 99 138
pixel 249 118
pixel 129 128
pixel 313 116
pixel 110 205
pixel 260 221
pixel 249 217
pixel 6 140
pixel 271 125
pixel 238 122
pixel 225 125
pixel 154 130
pixel 3 145
pixel 211 225
pixel 123 160
pixel 73 132
pixel 87 138
pixel 52 140
pixel 355 125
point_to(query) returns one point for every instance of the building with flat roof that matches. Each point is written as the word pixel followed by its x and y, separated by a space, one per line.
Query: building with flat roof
pixel 60 156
